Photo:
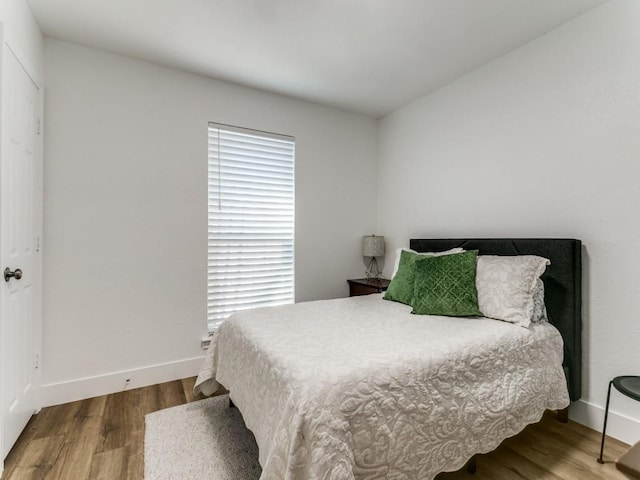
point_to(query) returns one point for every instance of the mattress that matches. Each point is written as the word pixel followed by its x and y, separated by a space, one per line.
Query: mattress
pixel 360 389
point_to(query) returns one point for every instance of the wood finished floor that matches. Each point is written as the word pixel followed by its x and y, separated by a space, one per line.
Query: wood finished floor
pixel 103 439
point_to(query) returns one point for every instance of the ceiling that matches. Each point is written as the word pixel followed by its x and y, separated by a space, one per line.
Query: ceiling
pixel 365 56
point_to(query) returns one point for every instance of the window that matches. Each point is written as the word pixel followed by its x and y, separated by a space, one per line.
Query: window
pixel 251 221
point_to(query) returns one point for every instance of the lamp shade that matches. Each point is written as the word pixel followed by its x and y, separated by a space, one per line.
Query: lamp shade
pixel 372 246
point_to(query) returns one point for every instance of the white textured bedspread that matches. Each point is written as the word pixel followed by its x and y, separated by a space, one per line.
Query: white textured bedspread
pixel 359 388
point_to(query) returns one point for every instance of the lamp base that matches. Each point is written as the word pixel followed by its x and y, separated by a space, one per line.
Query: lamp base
pixel 373 271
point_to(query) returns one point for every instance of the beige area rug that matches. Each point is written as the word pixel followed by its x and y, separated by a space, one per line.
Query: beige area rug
pixel 204 439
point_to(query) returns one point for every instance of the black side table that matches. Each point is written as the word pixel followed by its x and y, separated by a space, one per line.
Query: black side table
pixel 628 385
pixel 365 286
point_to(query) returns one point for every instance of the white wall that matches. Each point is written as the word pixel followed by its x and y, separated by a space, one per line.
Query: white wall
pixel 543 142
pixel 126 206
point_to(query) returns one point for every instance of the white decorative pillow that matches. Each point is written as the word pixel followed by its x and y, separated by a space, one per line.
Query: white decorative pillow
pixel 506 285
pixel 539 310
pixel 427 254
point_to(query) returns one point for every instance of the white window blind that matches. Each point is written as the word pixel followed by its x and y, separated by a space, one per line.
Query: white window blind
pixel 251 221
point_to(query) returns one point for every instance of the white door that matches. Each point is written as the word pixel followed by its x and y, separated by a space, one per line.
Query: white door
pixel 20 264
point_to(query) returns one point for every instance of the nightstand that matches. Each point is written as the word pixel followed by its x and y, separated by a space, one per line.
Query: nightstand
pixel 366 286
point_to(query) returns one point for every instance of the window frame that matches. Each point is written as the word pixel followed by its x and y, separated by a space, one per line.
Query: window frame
pixel 251 182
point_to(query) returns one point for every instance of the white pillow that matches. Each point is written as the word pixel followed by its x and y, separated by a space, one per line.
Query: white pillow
pixel 506 285
pixel 426 254
pixel 539 314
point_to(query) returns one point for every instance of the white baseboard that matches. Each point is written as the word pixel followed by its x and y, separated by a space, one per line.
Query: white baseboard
pixel 81 388
pixel 619 426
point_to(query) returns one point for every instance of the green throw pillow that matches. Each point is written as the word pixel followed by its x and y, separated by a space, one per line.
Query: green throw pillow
pixel 401 287
pixel 446 285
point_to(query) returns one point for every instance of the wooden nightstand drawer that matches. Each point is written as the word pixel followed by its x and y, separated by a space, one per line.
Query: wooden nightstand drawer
pixel 365 286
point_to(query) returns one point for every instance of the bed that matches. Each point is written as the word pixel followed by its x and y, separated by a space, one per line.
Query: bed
pixel 360 389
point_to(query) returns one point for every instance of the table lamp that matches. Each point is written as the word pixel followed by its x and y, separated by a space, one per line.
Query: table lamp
pixel 373 247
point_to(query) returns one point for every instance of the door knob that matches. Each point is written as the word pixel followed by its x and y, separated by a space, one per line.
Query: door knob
pixel 17 273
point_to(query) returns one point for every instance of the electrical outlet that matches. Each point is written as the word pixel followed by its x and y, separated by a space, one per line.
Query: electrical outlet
pixel 205 342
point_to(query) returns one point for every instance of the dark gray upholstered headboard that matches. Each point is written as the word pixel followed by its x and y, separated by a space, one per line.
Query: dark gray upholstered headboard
pixel 562 285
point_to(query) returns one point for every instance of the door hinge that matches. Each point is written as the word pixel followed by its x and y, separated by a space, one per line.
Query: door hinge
pixel 37 243
pixel 37 362
pixel 38 127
